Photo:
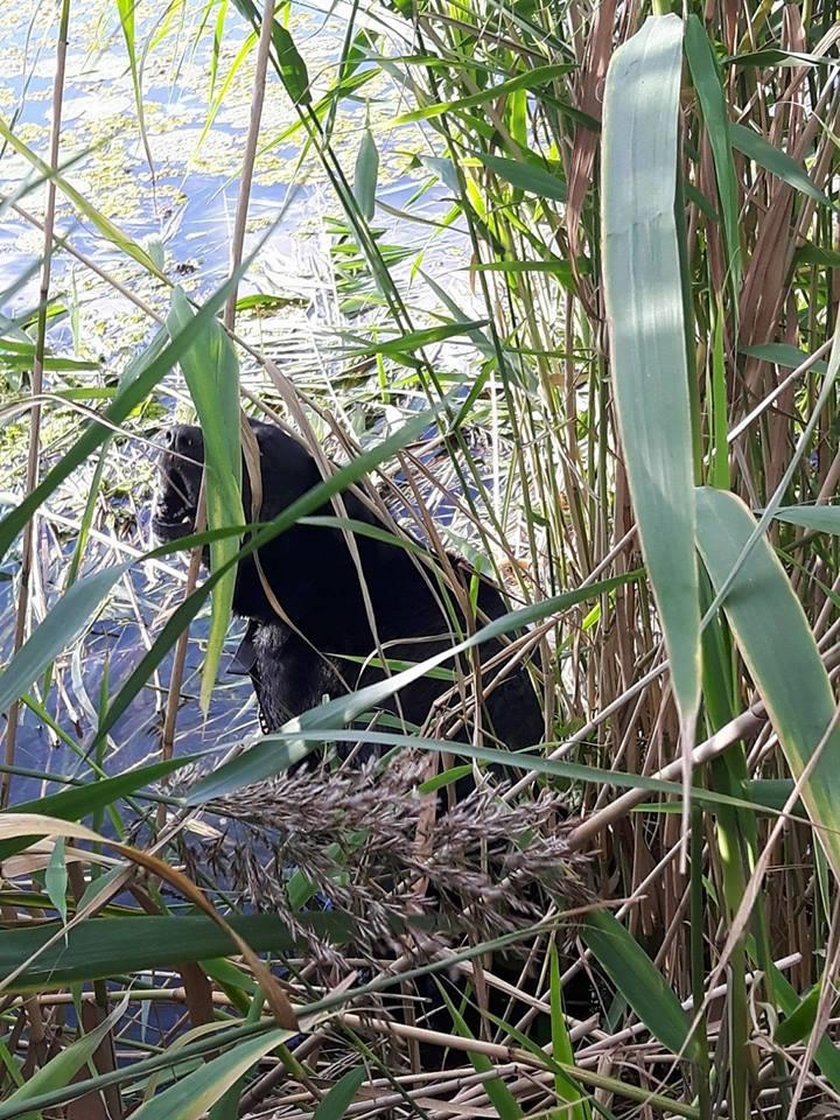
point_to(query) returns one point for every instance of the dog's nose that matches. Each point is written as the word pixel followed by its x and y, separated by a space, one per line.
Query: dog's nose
pixel 179 438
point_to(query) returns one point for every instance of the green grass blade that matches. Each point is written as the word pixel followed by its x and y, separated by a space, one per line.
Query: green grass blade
pixel 639 981
pixel 212 375
pixel 561 1045
pixel 778 648
pixel 643 286
pixel 530 80
pixel 64 620
pixel 340 1097
pixel 61 1069
pixel 755 147
pixel 193 1095
pixel 706 79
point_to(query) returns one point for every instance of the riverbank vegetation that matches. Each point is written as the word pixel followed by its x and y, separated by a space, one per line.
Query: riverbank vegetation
pixel 556 285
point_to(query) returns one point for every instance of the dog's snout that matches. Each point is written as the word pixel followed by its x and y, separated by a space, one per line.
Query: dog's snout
pixel 183 440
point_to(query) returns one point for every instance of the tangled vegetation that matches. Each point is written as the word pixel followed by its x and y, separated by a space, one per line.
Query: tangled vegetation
pixel 556 283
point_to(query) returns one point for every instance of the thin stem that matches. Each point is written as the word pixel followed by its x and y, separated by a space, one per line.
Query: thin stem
pixel 36 390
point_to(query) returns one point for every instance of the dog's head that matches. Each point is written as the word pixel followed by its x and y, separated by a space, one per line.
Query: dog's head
pixel 179 484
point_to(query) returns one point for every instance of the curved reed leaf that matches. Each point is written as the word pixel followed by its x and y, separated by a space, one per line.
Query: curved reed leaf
pixel 639 981
pixel 704 74
pixel 643 288
pixel 212 375
pixel 778 163
pixel 779 650
pixel 193 1095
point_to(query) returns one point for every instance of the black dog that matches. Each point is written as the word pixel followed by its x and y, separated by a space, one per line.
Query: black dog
pixel 328 648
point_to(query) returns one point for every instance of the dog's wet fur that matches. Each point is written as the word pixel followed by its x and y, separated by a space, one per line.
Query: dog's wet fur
pixel 313 576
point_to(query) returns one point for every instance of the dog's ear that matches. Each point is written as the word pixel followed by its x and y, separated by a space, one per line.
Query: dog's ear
pixel 179 486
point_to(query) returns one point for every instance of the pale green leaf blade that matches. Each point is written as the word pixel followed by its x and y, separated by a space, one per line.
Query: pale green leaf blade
pixel 780 652
pixel 643 287
pixel 367 172
pixel 820 519
pixel 706 79
pixel 55 878
pixel 212 375
pixel 526 176
pixel 63 623
pixel 192 1096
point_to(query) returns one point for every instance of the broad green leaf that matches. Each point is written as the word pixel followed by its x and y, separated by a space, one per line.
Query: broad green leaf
pixel 63 622
pixel 808 253
pixel 103 947
pixel 340 1097
pixel 643 288
pixel 639 981
pixel 821 519
pixel 526 176
pixel 193 1095
pixel 783 354
pixel 778 163
pixel 706 79
pixel 799 1023
pixel 779 650
pixel 290 66
pixel 367 171
pixel 212 375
